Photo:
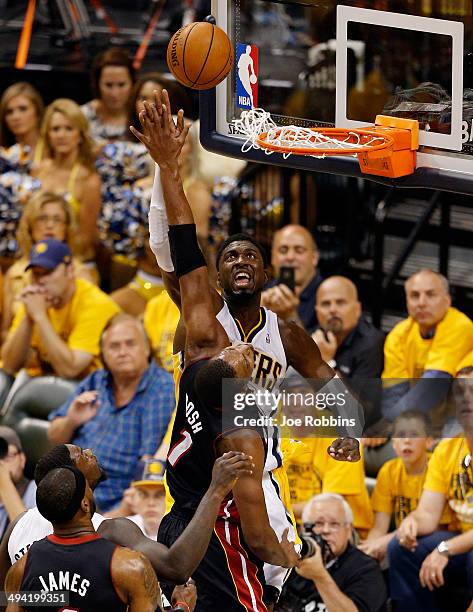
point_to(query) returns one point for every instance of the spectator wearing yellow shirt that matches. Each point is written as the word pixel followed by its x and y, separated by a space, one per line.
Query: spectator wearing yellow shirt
pixel 160 320
pixel 428 345
pixel 422 555
pixel 311 470
pixel 58 325
pixel 399 482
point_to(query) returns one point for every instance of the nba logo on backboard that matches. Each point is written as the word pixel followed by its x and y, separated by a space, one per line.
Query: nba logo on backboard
pixel 247 76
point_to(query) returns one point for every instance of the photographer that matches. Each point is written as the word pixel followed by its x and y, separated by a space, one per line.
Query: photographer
pixel 17 493
pixel 337 576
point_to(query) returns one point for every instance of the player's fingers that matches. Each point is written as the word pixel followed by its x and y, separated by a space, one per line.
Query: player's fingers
pixel 156 118
pixel 185 130
pixel 180 120
pixel 158 101
pixel 166 100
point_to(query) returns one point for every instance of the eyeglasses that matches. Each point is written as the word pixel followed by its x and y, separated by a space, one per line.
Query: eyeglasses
pixel 56 219
pixel 332 526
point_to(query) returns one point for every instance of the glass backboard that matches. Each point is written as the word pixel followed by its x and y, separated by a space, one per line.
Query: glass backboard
pixel 329 63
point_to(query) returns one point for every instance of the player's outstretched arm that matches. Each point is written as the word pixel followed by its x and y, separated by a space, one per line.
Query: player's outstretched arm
pixel 249 498
pixel 13 582
pixel 135 581
pixel 177 563
pixel 164 139
pixel 5 562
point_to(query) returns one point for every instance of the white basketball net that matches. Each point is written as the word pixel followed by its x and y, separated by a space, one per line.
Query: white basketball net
pixel 257 121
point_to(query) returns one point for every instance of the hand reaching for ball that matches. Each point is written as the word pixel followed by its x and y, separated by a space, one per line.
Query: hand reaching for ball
pixel 162 136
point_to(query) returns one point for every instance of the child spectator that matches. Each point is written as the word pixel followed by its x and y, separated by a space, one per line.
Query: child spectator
pixel 150 499
pixel 400 481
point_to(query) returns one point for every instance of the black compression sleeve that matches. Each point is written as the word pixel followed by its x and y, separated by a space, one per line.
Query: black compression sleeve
pixel 185 251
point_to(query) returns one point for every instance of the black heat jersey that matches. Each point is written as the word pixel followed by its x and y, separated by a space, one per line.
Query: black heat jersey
pixel 80 566
pixel 192 451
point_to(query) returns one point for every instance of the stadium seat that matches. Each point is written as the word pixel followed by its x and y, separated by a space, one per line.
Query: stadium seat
pixel 6 381
pixel 28 412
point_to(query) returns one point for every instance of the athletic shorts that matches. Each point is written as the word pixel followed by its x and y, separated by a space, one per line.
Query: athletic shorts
pixel 229 578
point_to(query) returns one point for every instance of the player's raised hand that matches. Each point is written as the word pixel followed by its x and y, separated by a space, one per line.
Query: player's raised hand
pixel 162 136
pixel 345 449
pixel 227 469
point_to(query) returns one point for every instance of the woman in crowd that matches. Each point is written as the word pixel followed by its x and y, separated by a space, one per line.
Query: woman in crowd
pixel 113 76
pixel 146 282
pixel 46 215
pixel 68 168
pixel 21 111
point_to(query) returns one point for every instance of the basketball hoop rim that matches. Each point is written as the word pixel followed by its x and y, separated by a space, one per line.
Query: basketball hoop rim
pixel 388 142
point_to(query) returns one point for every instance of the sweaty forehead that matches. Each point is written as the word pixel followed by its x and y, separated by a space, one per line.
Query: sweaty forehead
pixel 240 246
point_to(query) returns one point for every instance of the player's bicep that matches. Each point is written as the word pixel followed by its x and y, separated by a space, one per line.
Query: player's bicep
pixel 303 353
pixel 202 327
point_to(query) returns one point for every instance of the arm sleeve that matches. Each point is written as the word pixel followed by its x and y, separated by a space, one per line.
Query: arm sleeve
pixel 158 225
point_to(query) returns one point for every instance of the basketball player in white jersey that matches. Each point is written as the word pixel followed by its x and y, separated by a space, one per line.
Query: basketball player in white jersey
pixel 241 265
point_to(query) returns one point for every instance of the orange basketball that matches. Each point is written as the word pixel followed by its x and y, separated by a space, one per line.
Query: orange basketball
pixel 200 55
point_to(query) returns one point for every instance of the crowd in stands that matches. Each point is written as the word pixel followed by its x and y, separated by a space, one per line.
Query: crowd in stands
pixel 83 300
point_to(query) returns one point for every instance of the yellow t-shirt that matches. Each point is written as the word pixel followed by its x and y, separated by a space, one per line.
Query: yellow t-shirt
pixel 311 471
pixel 447 474
pixel 160 320
pixel 79 323
pixel 466 362
pixel 398 492
pixel 408 355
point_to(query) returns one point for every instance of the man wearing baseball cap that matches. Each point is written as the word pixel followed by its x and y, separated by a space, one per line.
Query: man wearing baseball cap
pixel 149 499
pixel 17 493
pixel 58 325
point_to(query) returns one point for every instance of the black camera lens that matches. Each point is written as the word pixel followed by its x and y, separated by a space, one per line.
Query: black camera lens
pixel 3 448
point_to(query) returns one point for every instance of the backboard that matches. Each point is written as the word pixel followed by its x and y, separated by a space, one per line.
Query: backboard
pixel 332 63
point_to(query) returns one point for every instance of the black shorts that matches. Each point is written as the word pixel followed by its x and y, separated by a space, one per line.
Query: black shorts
pixel 229 578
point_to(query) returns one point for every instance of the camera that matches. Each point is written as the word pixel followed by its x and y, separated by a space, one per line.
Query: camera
pixel 309 539
pixel 3 448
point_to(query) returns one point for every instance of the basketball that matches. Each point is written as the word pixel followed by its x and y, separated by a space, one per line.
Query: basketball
pixel 200 55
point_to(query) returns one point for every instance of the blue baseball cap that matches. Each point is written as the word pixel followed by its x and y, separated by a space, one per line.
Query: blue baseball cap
pixel 48 254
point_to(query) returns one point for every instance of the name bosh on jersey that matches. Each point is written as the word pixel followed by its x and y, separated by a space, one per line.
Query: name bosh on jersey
pixel 193 416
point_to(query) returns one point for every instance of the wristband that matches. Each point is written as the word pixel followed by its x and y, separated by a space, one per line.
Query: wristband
pixel 185 251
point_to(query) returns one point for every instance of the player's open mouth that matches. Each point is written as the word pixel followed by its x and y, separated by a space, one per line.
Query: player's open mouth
pixel 242 279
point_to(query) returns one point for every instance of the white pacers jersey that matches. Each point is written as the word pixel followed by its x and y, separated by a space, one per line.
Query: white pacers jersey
pixel 270 369
pixel 32 527
pixel 270 363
